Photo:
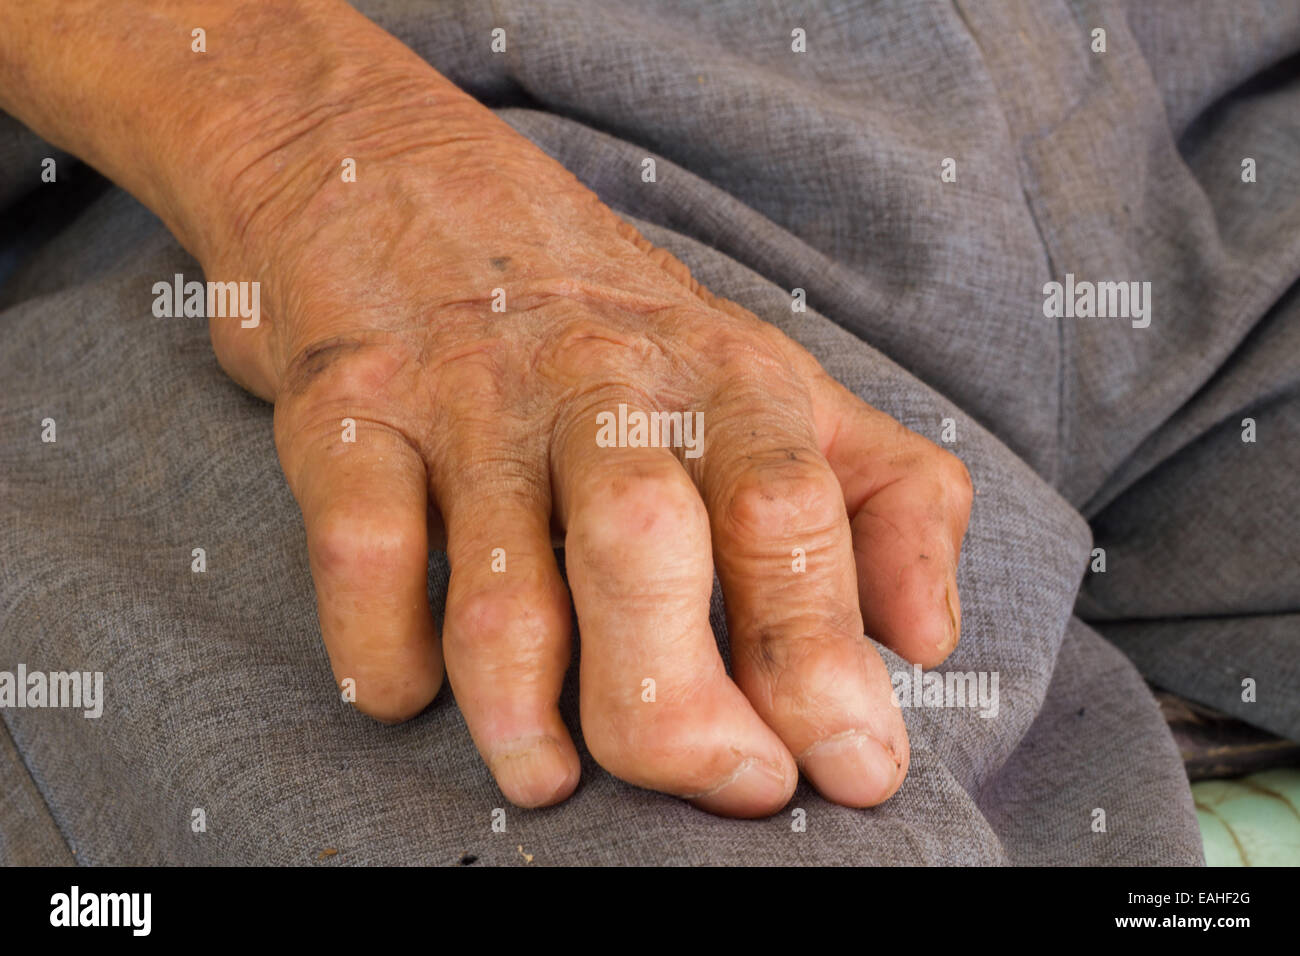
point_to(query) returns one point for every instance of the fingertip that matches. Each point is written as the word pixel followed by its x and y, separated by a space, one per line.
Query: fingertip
pixel 909 597
pixel 854 769
pixel 756 788
pixel 391 700
pixel 536 771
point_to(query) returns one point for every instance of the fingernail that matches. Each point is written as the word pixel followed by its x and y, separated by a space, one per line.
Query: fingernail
pixel 533 772
pixel 754 788
pixel 949 595
pixel 853 769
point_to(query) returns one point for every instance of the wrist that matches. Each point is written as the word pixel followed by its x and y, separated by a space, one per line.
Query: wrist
pixel 214 132
pixel 277 130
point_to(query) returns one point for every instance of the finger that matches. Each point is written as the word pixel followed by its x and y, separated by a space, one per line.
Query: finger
pixel 784 555
pixel 658 708
pixel 364 504
pixel 506 630
pixel 908 502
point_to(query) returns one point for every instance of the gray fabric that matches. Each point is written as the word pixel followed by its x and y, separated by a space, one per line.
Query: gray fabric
pixel 28 834
pixel 776 170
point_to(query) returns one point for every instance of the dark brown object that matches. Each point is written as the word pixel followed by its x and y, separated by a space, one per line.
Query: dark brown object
pixel 1214 745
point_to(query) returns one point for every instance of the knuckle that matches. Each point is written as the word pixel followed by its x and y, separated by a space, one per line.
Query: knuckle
pixel 780 646
pixel 485 615
pixel 809 677
pixel 957 478
pixel 590 345
pixel 953 479
pixel 634 509
pixel 811 672
pixel 484 624
pixel 349 541
pixel 348 365
pixel 746 355
pixel 794 496
pixel 474 369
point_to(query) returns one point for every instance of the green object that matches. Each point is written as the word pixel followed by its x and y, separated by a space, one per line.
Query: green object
pixel 1250 821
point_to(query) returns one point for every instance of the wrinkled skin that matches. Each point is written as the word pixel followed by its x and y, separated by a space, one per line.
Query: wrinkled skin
pixel 475 431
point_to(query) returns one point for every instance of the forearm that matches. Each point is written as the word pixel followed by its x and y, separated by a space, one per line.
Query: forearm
pixel 282 93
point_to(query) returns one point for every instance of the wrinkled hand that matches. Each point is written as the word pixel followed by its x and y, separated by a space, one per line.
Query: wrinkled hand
pixel 479 429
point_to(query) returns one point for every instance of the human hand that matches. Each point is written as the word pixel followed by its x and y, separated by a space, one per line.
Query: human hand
pixel 480 430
